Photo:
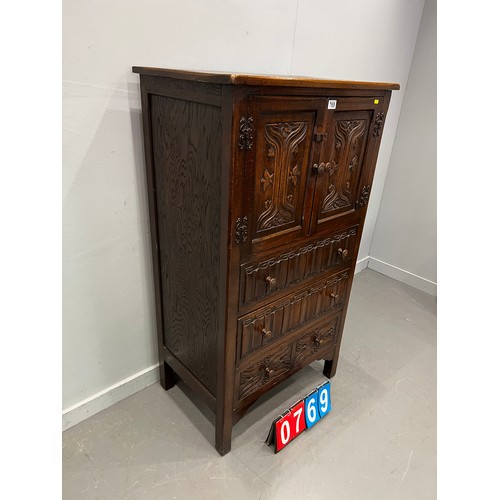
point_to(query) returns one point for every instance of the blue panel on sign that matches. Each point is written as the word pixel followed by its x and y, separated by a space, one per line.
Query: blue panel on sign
pixel 324 402
pixel 312 414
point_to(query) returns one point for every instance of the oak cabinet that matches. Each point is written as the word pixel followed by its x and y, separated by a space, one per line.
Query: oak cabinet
pixel 257 192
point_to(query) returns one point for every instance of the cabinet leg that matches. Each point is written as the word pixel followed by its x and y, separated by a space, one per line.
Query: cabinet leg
pixel 223 431
pixel 330 368
pixel 167 376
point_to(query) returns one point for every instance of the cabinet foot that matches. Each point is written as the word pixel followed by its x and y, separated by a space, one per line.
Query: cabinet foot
pixel 223 447
pixel 223 431
pixel 167 376
pixel 330 368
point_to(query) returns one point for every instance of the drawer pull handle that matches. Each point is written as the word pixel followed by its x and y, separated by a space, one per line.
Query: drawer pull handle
pixel 271 281
pixel 335 297
pixel 266 333
pixel 319 341
pixel 343 252
pixel 319 169
pixel 318 137
pixel 269 372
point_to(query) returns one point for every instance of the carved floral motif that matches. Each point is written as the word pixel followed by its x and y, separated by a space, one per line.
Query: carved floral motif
pixel 365 195
pixel 246 133
pixel 259 374
pixel 294 174
pixel 241 229
pixel 310 344
pixel 267 180
pixel 379 120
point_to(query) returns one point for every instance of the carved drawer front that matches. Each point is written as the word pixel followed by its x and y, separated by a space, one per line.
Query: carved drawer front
pixel 288 358
pixel 261 279
pixel 307 346
pixel 269 323
pixel 265 371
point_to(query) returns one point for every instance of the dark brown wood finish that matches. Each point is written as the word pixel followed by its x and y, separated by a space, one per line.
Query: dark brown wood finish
pixel 269 80
pixel 277 190
pixel 187 158
pixel 257 197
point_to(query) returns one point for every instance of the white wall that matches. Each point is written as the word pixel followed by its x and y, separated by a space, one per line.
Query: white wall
pixel 404 240
pixel 108 313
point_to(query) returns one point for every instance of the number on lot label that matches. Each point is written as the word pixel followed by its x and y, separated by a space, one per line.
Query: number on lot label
pixel 311 409
pixel 289 426
pixel 303 414
pixel 285 432
pixel 318 404
pixel 324 405
pixel 312 415
pixel 298 413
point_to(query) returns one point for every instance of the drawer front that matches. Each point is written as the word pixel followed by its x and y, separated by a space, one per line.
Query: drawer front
pixel 268 324
pixel 261 279
pixel 265 371
pixel 286 359
pixel 306 346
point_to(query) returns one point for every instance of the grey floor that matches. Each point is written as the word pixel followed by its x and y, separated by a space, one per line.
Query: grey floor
pixel 378 442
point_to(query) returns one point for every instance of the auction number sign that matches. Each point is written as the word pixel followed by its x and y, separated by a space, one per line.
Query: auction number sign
pixel 300 416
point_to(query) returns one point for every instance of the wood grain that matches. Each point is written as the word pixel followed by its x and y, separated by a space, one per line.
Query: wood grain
pixel 187 149
pixel 254 79
pixel 295 265
pixel 269 323
pixel 252 248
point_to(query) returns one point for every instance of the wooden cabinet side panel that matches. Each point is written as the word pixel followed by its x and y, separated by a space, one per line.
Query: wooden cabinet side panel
pixel 186 143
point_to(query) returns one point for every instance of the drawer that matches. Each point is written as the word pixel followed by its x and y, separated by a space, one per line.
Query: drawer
pixel 268 324
pixel 306 346
pixel 260 279
pixel 276 364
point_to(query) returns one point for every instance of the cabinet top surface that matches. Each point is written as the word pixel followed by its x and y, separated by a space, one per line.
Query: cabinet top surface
pixel 264 80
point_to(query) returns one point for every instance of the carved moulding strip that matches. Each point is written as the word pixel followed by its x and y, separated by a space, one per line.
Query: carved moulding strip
pixel 241 229
pixel 365 195
pixel 379 120
pixel 294 253
pixel 246 133
pixel 301 297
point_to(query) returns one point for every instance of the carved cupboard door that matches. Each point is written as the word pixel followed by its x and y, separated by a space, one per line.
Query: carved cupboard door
pixel 279 151
pixel 346 153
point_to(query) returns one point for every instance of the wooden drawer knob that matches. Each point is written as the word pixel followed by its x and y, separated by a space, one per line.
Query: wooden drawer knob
pixel 266 333
pixel 318 137
pixel 319 169
pixel 318 341
pixel 334 296
pixel 269 372
pixel 271 281
pixel 343 252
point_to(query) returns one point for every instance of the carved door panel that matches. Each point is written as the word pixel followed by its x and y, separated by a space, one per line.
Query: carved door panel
pixel 345 153
pixel 277 194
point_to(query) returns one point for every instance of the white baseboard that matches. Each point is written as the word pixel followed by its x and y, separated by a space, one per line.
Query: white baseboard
pixel 109 396
pixel 361 264
pixel 406 277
